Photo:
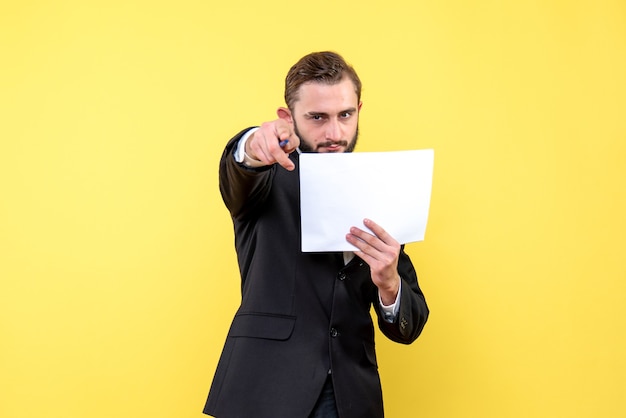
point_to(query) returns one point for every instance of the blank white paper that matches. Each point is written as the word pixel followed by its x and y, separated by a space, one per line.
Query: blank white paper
pixel 338 191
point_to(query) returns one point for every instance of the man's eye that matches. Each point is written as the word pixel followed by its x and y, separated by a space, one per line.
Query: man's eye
pixel 346 115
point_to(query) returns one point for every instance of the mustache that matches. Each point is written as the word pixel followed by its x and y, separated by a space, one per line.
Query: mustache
pixel 341 143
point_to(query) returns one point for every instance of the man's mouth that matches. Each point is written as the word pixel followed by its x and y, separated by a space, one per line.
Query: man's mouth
pixel 333 146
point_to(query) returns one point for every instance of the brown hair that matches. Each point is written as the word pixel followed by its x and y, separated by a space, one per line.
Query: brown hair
pixel 320 67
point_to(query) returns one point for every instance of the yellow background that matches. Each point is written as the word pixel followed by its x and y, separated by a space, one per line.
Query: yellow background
pixel 118 275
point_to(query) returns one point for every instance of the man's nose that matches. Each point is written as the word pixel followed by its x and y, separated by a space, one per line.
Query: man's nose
pixel 333 130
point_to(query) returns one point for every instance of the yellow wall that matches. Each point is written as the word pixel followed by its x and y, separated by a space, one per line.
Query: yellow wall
pixel 118 278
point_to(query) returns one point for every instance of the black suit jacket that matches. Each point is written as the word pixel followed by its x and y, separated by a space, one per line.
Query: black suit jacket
pixel 301 314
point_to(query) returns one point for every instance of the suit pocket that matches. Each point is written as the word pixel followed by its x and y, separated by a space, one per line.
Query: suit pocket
pixel 258 325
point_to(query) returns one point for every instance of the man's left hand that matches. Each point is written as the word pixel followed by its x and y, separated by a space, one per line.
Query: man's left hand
pixel 381 252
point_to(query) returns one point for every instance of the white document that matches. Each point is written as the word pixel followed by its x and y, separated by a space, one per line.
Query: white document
pixel 338 191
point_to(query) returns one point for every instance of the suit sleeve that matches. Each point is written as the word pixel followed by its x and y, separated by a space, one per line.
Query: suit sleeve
pixel 413 311
pixel 242 187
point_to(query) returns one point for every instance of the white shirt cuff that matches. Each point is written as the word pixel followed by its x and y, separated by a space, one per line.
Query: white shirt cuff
pixel 391 311
pixel 240 152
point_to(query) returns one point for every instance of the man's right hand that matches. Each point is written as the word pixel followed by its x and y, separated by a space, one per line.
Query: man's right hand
pixel 263 144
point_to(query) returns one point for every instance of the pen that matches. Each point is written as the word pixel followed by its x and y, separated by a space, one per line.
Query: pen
pixel 285 142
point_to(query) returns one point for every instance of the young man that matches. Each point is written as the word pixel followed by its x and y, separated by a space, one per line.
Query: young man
pixel 301 344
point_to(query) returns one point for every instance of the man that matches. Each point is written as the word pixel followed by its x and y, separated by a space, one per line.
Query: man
pixel 302 342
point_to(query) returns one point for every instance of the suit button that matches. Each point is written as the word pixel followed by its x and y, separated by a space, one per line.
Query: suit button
pixel 341 276
pixel 403 323
pixel 333 332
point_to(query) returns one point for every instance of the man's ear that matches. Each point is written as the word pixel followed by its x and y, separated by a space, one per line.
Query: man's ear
pixel 285 114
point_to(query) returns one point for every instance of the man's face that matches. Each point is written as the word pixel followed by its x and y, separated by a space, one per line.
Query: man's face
pixel 326 117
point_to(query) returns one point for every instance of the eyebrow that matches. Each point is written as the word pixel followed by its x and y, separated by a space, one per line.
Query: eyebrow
pixel 349 110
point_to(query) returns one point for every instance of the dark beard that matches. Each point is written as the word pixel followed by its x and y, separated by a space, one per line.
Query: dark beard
pixel 305 146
